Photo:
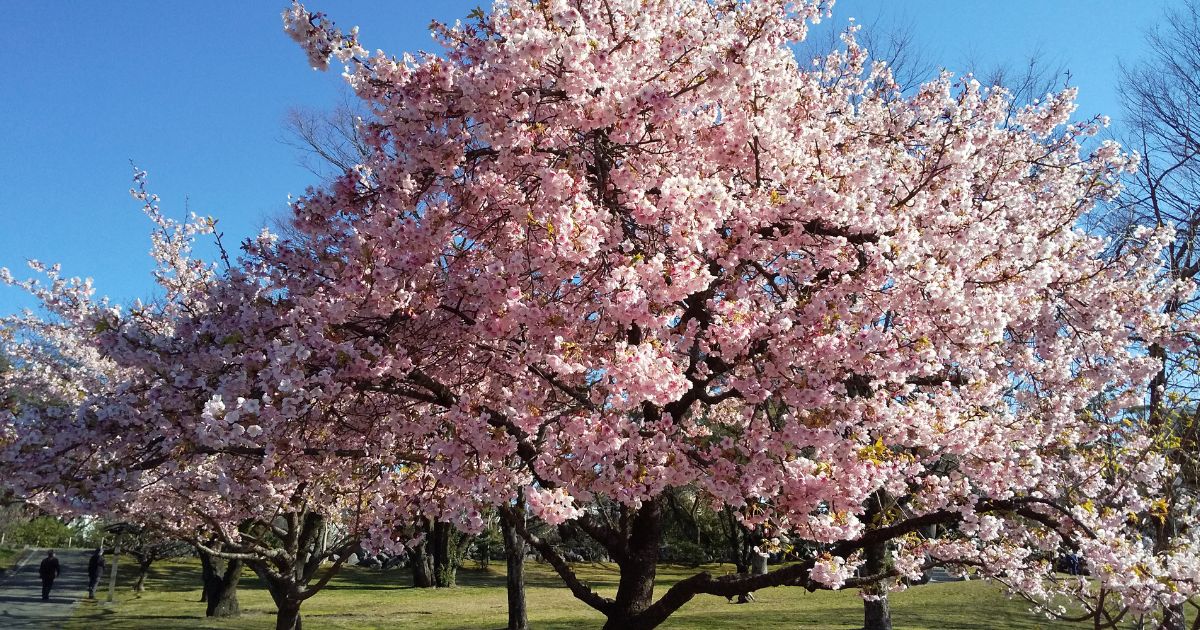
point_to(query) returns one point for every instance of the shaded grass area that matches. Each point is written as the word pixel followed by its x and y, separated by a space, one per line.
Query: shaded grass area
pixel 9 558
pixel 361 599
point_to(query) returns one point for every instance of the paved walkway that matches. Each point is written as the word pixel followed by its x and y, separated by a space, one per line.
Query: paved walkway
pixel 938 574
pixel 21 604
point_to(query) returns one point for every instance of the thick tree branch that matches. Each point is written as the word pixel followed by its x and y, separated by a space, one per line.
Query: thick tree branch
pixel 581 591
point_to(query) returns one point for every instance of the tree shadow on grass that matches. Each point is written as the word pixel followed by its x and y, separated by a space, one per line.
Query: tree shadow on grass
pixel 109 619
pixel 99 614
pixel 167 577
pixel 541 576
pixel 177 577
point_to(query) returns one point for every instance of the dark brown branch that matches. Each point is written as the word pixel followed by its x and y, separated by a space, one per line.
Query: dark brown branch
pixel 820 228
pixel 798 574
pixel 578 394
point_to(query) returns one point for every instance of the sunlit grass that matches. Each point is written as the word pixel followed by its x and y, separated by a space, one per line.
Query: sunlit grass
pixel 361 599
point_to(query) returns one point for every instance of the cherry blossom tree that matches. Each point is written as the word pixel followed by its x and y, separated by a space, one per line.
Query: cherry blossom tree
pixel 602 249
pixel 609 248
pixel 122 415
pixel 147 547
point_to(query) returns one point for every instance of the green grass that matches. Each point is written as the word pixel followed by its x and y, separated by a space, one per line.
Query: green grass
pixel 360 599
pixel 8 558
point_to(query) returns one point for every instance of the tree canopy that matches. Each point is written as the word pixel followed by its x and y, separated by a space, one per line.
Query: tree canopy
pixel 604 249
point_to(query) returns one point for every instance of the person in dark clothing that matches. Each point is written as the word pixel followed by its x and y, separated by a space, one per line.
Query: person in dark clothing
pixel 95 570
pixel 48 570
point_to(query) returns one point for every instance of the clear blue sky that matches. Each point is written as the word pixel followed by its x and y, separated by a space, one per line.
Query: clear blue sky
pixel 196 93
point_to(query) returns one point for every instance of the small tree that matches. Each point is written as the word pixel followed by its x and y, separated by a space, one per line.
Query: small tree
pixel 147 546
pixel 88 379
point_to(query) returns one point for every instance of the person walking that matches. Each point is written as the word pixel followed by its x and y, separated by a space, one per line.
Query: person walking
pixel 95 570
pixel 48 570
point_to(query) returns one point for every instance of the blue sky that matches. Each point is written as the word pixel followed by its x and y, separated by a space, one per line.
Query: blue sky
pixel 197 93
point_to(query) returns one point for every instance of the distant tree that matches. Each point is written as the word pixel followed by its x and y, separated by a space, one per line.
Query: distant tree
pixel 147 546
pixel 1162 123
pixel 13 514
pixel 894 43
pixel 63 453
pixel 328 143
pixel 1034 78
pixel 488 542
pixel 43 531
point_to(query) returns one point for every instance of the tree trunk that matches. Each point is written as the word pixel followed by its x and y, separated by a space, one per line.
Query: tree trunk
pixel 514 553
pixel 445 558
pixel 739 548
pixel 223 597
pixel 206 569
pixel 221 579
pixel 288 617
pixel 1173 618
pixel 143 569
pixel 422 565
pixel 284 593
pixel 877 613
pixel 639 564
pixel 734 539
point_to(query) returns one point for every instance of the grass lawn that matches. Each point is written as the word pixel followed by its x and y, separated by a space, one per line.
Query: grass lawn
pixel 9 557
pixel 360 599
